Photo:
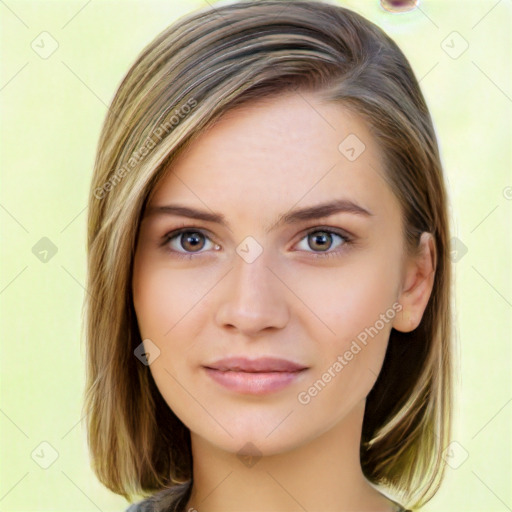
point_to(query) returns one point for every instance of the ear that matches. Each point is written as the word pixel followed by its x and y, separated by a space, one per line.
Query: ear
pixel 417 285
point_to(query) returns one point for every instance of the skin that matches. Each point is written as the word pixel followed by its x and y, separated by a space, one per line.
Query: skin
pixel 259 162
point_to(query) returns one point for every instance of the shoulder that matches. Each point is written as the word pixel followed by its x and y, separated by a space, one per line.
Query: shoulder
pixel 146 505
pixel 167 500
pixel 141 506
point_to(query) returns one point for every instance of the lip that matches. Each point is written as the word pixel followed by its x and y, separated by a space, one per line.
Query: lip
pixel 254 376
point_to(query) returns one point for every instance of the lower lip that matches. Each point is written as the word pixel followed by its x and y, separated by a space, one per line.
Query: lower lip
pixel 254 383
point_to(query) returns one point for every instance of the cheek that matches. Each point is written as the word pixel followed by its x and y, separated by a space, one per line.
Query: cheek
pixel 349 361
pixel 356 303
pixel 163 302
pixel 151 302
pixel 350 298
pixel 163 297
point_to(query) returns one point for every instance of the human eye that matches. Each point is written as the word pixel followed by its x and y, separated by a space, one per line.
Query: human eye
pixel 323 239
pixel 187 242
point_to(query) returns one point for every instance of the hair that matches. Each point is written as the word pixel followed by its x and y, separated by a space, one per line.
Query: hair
pixel 203 65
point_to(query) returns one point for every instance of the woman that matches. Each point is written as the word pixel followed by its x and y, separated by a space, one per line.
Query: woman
pixel 268 316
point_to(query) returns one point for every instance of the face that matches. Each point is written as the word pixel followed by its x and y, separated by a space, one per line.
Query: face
pixel 267 274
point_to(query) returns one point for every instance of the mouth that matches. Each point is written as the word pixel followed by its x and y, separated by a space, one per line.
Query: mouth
pixel 256 376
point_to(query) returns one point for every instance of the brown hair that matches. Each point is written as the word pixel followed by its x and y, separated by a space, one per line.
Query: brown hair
pixel 197 69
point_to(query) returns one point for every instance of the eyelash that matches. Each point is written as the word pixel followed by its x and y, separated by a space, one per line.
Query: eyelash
pixel 347 240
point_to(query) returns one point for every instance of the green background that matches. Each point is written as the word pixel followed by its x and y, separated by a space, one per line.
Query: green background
pixel 52 110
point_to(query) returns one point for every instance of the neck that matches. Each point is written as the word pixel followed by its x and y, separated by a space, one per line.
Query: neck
pixel 322 474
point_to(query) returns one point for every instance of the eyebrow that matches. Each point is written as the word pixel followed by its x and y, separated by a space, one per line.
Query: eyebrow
pixel 302 214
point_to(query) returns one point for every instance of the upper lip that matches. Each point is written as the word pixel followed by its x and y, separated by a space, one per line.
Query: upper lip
pixel 260 365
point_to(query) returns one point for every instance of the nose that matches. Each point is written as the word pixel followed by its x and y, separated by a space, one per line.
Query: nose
pixel 252 298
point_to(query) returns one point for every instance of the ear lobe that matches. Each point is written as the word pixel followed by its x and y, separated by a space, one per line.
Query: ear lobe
pixel 417 286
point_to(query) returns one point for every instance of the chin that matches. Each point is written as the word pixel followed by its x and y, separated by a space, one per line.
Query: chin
pixel 257 436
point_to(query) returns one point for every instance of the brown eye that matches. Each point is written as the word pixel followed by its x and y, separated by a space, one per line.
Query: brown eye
pixel 320 240
pixel 188 241
pixel 191 240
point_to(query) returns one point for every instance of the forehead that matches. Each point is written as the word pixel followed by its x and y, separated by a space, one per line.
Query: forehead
pixel 275 152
